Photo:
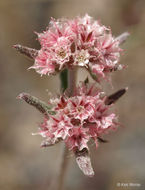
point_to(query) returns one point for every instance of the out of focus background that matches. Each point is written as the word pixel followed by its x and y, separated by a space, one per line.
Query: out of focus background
pixel 26 166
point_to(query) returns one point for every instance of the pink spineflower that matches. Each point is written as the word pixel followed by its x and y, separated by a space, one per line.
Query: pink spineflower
pixel 86 115
pixel 80 42
pixel 79 118
pixel 82 114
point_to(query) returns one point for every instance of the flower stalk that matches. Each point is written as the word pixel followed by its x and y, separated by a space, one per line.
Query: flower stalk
pixel 68 80
pixel 71 81
pixel 63 169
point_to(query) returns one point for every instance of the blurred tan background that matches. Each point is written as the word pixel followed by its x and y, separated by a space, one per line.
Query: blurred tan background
pixel 25 166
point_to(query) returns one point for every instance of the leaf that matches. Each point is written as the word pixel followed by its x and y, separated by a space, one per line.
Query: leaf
pixel 115 96
pixel 84 162
pixel 29 52
pixel 38 104
pixel 122 38
pixel 49 142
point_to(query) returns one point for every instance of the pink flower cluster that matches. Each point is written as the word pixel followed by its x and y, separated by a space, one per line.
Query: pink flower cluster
pixel 82 42
pixel 78 119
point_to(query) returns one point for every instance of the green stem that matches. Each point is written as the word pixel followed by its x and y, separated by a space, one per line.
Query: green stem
pixel 64 80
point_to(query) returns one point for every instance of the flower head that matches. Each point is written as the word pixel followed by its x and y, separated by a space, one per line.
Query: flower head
pixel 76 120
pixel 82 41
pixel 79 118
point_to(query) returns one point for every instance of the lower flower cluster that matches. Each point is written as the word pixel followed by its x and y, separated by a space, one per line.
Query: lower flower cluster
pixel 78 119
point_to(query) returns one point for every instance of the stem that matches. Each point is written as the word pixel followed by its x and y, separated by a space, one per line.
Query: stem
pixel 71 82
pixel 67 77
pixel 63 169
pixel 64 80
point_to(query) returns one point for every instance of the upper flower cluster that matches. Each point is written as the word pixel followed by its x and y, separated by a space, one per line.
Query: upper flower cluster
pixel 78 119
pixel 82 41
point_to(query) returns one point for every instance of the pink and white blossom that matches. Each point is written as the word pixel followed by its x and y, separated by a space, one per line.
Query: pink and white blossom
pixel 79 118
pixel 82 42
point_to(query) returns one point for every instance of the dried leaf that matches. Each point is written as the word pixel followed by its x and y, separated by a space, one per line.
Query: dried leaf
pixel 29 52
pixel 38 104
pixel 84 162
pixel 49 142
pixel 115 96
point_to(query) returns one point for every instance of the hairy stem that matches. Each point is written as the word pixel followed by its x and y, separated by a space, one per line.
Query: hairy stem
pixel 71 81
pixel 63 169
pixel 68 77
pixel 63 79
